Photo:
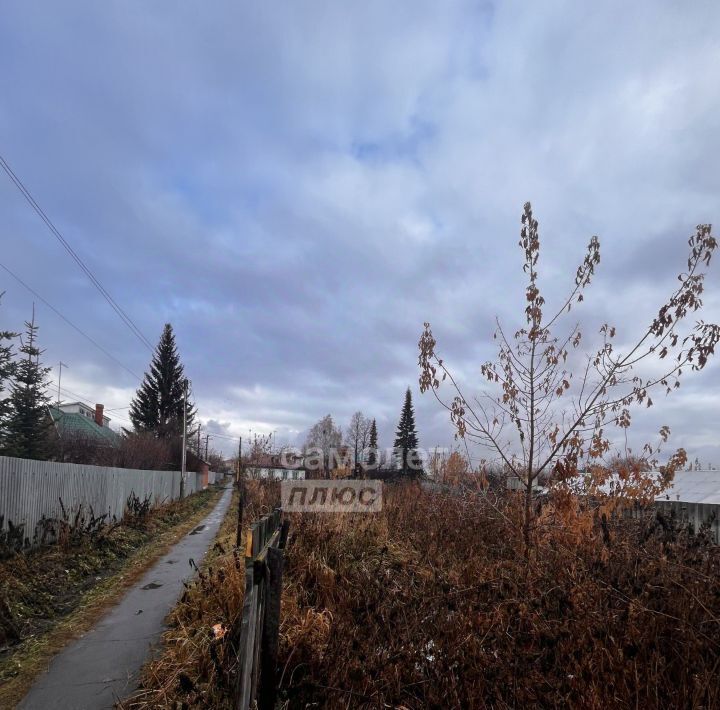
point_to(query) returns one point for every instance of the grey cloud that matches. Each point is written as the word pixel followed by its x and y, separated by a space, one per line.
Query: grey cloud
pixel 297 190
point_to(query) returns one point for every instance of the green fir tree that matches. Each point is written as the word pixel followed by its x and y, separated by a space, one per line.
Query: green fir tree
pixel 372 458
pixel 28 419
pixel 406 438
pixel 158 403
pixel 8 368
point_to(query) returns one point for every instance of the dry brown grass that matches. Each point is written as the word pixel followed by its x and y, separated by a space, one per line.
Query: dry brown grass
pixel 51 606
pixel 195 667
pixel 432 603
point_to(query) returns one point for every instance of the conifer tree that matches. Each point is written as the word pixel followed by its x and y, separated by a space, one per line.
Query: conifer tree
pixel 28 418
pixel 7 373
pixel 372 458
pixel 406 439
pixel 158 403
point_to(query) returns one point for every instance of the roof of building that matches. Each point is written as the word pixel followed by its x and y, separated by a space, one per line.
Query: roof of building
pixel 67 408
pixel 74 424
pixel 694 487
pixel 193 460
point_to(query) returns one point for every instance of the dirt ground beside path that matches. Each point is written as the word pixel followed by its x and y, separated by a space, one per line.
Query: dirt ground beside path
pixel 50 595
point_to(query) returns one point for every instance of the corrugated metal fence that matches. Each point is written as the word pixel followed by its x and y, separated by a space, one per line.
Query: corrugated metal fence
pixel 30 489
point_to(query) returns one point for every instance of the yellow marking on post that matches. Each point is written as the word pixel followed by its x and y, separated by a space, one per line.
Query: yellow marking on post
pixel 248 543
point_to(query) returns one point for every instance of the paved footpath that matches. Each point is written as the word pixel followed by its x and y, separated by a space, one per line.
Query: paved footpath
pixel 102 666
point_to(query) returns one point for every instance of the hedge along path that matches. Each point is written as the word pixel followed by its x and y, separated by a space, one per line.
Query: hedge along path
pixel 102 667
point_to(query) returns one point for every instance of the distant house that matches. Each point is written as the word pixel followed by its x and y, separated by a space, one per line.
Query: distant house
pixel 275 466
pixel 76 420
pixel 194 463
pixel 277 474
pixel 515 483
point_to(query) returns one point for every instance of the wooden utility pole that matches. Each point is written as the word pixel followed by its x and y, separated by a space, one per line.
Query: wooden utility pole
pixel 184 441
pixel 207 440
pixel 241 497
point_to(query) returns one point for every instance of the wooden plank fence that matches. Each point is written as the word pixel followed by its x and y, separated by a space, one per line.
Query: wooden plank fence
pixel 256 680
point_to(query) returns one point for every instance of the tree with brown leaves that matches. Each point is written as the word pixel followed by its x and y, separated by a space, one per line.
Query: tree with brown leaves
pixel 549 411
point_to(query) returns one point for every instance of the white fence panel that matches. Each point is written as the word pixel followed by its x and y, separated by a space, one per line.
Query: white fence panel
pixel 696 514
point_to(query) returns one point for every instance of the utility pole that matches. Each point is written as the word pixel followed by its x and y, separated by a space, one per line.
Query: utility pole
pixel 60 367
pixel 207 440
pixel 184 441
pixel 198 440
pixel 241 497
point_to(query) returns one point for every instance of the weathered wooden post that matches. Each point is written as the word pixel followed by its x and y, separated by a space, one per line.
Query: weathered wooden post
pixel 241 497
pixel 243 683
pixel 271 629
pixel 259 625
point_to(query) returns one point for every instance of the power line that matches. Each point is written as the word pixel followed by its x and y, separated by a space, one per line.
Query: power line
pixel 225 436
pixel 56 233
pixel 86 401
pixel 122 419
pixel 81 398
pixel 68 321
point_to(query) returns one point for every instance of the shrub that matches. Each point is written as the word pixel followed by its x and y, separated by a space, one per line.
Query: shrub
pixel 433 603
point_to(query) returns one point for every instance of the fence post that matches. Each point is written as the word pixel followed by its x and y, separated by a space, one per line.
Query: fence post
pixel 284 534
pixel 260 610
pixel 241 506
pixel 271 629
pixel 257 648
pixel 246 650
pixel 241 496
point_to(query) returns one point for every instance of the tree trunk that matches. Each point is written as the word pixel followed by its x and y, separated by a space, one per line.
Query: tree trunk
pixel 527 524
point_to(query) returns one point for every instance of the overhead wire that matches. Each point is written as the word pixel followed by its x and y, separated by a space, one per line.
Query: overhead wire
pixel 86 270
pixel 224 436
pixel 69 322
pixel 80 397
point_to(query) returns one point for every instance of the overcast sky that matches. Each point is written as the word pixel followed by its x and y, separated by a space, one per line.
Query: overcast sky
pixel 298 186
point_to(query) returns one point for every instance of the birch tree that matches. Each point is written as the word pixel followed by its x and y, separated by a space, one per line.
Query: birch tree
pixel 357 437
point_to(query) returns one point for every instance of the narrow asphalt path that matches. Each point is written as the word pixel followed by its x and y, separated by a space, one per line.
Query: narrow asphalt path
pixel 102 666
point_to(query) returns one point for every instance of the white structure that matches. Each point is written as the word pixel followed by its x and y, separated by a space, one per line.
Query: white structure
pixel 694 487
pixel 695 498
pixel 277 474
pixel 85 411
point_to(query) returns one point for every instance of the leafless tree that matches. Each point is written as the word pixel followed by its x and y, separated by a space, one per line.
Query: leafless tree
pixel 325 437
pixel 548 410
pixel 259 454
pixel 357 436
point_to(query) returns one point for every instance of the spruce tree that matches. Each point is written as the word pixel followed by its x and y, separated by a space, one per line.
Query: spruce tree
pixel 158 403
pixel 372 459
pixel 406 439
pixel 7 373
pixel 28 417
